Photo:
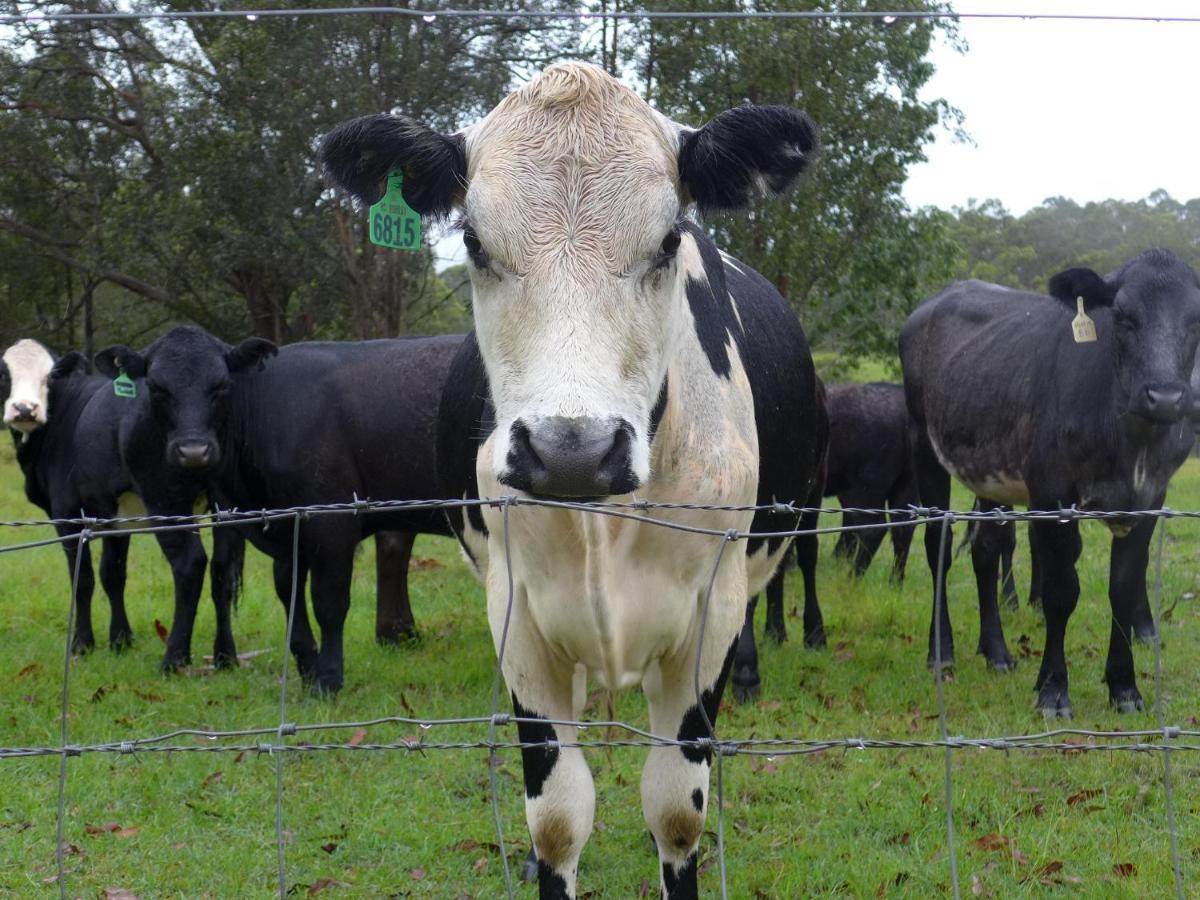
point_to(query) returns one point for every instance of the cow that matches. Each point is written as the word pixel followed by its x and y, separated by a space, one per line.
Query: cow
pixel 324 423
pixel 624 356
pixel 1024 410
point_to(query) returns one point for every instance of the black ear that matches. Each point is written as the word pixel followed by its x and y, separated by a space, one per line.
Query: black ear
pixel 357 156
pixel 1081 282
pixel 250 352
pixel 112 360
pixel 744 150
pixel 70 364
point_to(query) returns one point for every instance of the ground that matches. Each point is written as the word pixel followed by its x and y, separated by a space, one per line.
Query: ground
pixel 356 822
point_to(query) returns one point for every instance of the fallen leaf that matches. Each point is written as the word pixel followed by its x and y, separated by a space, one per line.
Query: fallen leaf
pixel 1049 869
pixel 241 755
pixel 405 704
pixel 899 839
pixel 976 886
pixel 118 894
pixel 992 842
pixel 425 562
pixel 320 884
pixel 480 864
pixel 416 874
pixel 98 694
pixel 147 696
pixel 770 705
pixel 126 832
pixel 1124 870
pixel 359 736
pixel 101 829
pixel 33 668
pixel 214 777
pixel 644 889
pixel 330 847
pixel 161 630
pixel 1085 794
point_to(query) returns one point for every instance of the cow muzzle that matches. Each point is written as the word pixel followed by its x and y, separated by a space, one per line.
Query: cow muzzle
pixel 575 458
pixel 1163 403
pixel 24 417
pixel 193 454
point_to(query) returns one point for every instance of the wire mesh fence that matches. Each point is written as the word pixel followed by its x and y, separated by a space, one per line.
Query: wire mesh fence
pixel 272 740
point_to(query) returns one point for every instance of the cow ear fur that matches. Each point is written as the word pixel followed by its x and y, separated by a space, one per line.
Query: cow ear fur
pixel 357 156
pixel 250 352
pixel 746 150
pixel 1081 282
pixel 70 364
pixel 112 360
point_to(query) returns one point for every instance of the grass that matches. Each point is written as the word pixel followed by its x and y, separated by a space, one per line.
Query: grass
pixel 857 823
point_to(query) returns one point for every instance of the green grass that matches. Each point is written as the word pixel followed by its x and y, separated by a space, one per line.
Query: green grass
pixel 857 823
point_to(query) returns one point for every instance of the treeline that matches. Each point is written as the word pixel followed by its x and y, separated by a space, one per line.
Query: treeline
pixel 164 171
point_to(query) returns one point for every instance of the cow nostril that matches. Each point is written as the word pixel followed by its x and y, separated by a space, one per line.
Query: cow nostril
pixel 1163 399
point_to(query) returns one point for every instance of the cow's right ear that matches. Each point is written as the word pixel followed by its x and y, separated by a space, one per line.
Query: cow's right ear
pixel 250 352
pixel 358 155
pixel 70 364
pixel 1081 282
pixel 112 360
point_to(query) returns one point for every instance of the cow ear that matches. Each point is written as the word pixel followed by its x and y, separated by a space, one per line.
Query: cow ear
pixel 112 360
pixel 358 155
pixel 250 352
pixel 746 150
pixel 70 364
pixel 1081 282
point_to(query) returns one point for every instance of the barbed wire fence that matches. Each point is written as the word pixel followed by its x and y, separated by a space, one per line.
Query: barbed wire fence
pixel 271 740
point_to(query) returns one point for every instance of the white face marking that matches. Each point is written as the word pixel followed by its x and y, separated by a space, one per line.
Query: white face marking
pixel 29 365
pixel 573 187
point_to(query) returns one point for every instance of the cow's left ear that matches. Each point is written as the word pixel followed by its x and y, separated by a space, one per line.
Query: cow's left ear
pixel 745 150
pixel 1081 282
pixel 70 364
pixel 358 155
pixel 250 352
pixel 112 360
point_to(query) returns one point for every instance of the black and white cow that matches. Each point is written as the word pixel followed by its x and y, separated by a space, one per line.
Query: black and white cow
pixel 1005 399
pixel 623 354
pixel 328 422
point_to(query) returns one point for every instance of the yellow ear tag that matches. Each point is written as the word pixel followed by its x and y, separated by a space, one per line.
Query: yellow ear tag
pixel 1082 325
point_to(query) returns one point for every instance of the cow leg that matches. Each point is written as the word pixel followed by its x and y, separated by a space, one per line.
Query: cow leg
pixel 1058 545
pixel 1126 593
pixel 933 485
pixel 303 644
pixel 393 614
pixel 675 779
pixel 187 558
pixel 746 680
pixel 331 575
pixel 902 496
pixel 1008 546
pixel 860 545
pixel 776 626
pixel 807 549
pixel 84 639
pixel 225 577
pixel 114 551
pixel 1035 574
pixel 987 545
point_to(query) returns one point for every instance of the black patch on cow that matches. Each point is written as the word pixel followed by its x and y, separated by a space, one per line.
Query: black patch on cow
pixel 698 800
pixel 551 885
pixel 712 308
pixel 723 164
pixel 1081 282
pixel 692 728
pixel 357 156
pixel 683 882
pixel 660 408
pixel 538 762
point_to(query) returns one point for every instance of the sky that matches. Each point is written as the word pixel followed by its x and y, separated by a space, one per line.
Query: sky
pixel 1084 110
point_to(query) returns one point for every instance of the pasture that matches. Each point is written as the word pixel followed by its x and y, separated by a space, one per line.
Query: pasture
pixel 365 823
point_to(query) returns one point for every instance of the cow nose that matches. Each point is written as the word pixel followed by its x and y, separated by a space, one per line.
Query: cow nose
pixel 194 454
pixel 26 411
pixel 557 456
pixel 1163 403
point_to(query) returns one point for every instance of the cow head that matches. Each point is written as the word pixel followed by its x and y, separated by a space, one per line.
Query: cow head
pixel 28 372
pixel 572 193
pixel 186 373
pixel 1155 314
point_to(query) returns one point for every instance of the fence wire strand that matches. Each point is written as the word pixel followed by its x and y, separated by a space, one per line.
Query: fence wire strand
pixel 1165 739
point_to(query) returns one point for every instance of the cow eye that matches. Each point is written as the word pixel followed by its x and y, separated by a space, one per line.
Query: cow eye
pixel 670 244
pixel 474 248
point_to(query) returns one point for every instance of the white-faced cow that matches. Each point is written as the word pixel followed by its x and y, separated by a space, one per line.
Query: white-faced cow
pixel 1004 398
pixel 623 354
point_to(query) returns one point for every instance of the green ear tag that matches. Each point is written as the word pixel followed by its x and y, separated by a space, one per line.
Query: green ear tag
pixel 393 222
pixel 123 386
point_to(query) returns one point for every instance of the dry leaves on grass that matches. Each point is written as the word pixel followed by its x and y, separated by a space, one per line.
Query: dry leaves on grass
pixel 1125 870
pixel 359 736
pixel 322 884
pixel 112 893
pixel 161 630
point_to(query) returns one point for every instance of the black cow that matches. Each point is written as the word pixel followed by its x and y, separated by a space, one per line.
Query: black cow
pixel 327 422
pixel 1004 397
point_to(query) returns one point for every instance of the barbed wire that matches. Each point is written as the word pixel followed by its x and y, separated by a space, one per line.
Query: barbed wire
pixel 1166 739
pixel 431 15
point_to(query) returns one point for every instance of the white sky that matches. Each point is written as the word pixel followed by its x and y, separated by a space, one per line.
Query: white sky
pixel 1085 110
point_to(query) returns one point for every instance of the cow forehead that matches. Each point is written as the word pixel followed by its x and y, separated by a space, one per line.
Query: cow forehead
pixel 27 359
pixel 573 153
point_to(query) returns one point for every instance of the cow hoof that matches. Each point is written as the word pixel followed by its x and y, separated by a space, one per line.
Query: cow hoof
pixel 398 637
pixel 224 660
pixel 947 663
pixel 1145 632
pixel 1054 703
pixel 172 664
pixel 1127 701
pixel 325 688
pixel 82 646
pixel 776 635
pixel 998 658
pixel 815 639
pixel 1011 602
pixel 529 871
pixel 746 685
